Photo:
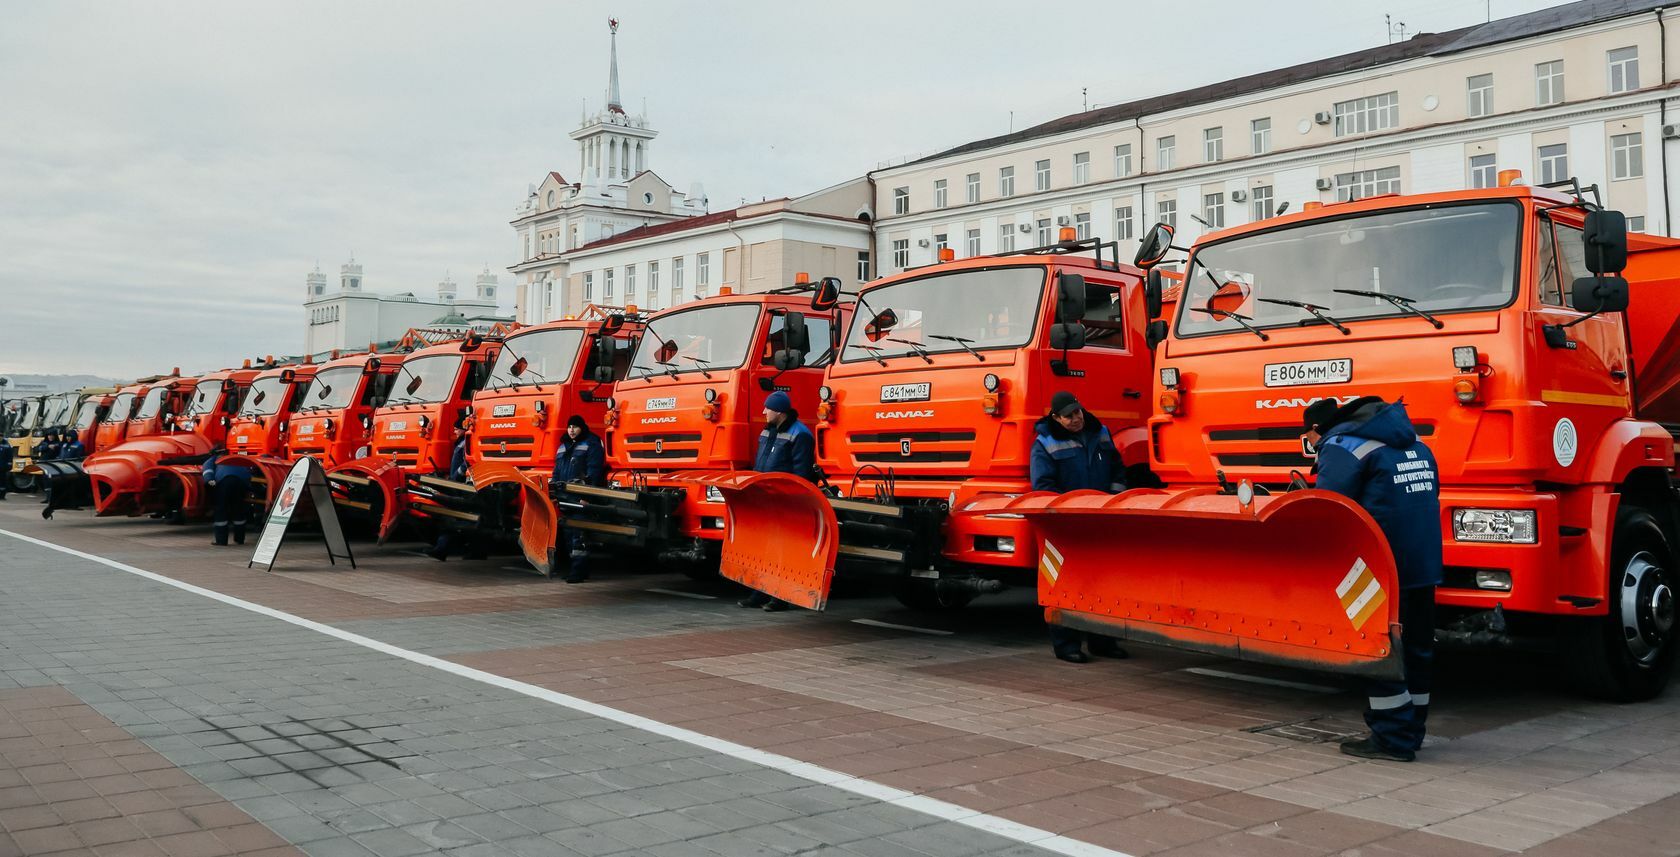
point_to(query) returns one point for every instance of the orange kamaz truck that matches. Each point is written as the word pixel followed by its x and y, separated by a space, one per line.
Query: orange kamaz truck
pixel 931 406
pixel 257 431
pixel 1534 342
pixel 113 478
pixel 335 412
pixel 688 410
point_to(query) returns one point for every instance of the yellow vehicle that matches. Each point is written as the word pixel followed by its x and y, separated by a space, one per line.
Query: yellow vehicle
pixel 24 432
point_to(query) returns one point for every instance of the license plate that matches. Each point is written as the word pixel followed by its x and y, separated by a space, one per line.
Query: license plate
pixel 241 439
pixel 502 411
pixel 1338 371
pixel 664 404
pixel 306 428
pixel 397 425
pixel 907 392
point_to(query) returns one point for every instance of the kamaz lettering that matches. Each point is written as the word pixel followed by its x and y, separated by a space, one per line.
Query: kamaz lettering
pixel 1297 403
pixel 901 415
pixel 653 420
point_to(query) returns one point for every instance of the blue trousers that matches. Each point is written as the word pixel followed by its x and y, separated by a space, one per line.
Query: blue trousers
pixel 1396 711
pixel 232 509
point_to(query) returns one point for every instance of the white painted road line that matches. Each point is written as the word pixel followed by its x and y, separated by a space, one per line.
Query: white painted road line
pixel 876 623
pixel 694 595
pixel 1256 679
pixel 1001 827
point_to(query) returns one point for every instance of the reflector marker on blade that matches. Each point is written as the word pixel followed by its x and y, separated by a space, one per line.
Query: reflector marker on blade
pixel 1050 562
pixel 1360 593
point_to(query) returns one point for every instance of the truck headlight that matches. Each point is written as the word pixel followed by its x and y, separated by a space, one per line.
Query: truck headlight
pixel 1506 526
pixel 713 495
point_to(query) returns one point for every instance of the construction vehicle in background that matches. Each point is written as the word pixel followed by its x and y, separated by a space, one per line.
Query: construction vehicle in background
pixel 412 429
pixel 1534 343
pixel 23 433
pixel 930 406
pixel 688 411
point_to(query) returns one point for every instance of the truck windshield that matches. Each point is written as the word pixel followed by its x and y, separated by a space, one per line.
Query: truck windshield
pixel 205 396
pixel 332 388
pixel 31 410
pixel 708 337
pixel 549 356
pixel 1437 260
pixel 152 404
pixel 120 408
pixel 84 418
pixel 263 398
pixel 982 309
pixel 56 410
pixel 425 380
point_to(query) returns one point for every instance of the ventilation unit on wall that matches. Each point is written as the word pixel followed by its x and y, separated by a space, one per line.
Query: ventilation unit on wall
pixel 1325 184
pixel 1239 195
pixel 1063 220
pixel 922 242
pixel 1322 117
pixel 1671 132
pixel 1026 227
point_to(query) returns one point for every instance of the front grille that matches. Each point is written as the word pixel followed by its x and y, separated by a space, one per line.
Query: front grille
pixel 933 456
pixel 492 441
pixel 913 436
pixel 1264 459
pixel 398 450
pixel 665 453
pixel 1282 433
pixel 680 437
pixel 512 453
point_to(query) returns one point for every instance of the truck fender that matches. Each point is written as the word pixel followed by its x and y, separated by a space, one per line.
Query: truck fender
pixel 1626 446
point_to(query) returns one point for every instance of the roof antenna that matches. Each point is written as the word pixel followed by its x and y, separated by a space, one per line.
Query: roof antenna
pixel 1011 121
pixel 1085 96
pixel 1396 29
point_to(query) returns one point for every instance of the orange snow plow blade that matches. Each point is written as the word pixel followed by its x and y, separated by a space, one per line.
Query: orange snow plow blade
pixel 780 536
pixel 170 487
pixel 117 475
pixel 267 474
pixel 539 520
pixel 373 487
pixel 1302 579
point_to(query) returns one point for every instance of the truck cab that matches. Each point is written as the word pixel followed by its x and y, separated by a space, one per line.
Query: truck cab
pixel 259 427
pixel 172 483
pixel 92 404
pixel 23 434
pixel 334 414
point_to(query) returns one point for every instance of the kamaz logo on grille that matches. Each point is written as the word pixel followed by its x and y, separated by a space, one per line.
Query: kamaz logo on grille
pixel 1297 403
pixel 652 420
pixel 901 415
pixel 504 446
pixel 659 444
pixel 904 447
pixel 504 425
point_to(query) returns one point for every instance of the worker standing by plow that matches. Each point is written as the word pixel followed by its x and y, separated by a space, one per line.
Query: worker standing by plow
pixel 1073 451
pixel 1369 452
pixel 785 446
pixel 581 458
pixel 231 487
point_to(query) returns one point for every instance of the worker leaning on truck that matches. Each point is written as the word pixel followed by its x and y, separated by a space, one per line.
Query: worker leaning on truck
pixel 1369 452
pixel 580 458
pixel 1073 451
pixel 785 446
pixel 232 486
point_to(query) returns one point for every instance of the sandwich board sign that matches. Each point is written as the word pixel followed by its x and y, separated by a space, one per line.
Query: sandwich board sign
pixel 305 477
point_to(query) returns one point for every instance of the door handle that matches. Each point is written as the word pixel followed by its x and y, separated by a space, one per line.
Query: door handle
pixel 1132 394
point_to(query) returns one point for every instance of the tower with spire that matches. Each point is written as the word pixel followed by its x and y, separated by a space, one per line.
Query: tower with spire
pixel 612 145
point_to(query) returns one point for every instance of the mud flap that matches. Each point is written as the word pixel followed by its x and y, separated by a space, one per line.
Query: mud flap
pixel 1303 579
pixel 780 536
pixel 539 520
pixel 382 485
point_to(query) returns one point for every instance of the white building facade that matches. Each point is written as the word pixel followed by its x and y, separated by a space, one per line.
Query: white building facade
pixel 1574 91
pixel 351 317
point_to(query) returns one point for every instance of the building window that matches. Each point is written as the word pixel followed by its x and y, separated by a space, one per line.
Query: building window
pixel 1636 224
pixel 1044 234
pixel 1123 223
pixel 1482 171
pixel 863 266
pixel 1122 160
pixel 1164 153
pixel 607 285
pixel 677 280
pixel 1481 95
pixel 973 183
pixel 1261 202
pixel 629 284
pixel 940 242
pixel 1213 210
pixel 1006 238
pixel 588 287
pixel 653 285
pixel 1260 135
pixel 702 273
pixel 1548 83
pixel 901 253
pixel 1554 163
pixel 1365 183
pixel 1627 156
pixel 901 200
pixel 1624 69
pixel 1081 167
pixel 1041 175
pixel 1166 211
pixel 1213 145
pixel 939 193
pixel 1082 226
pixel 973 238
pixel 1365 115
pixel 1006 181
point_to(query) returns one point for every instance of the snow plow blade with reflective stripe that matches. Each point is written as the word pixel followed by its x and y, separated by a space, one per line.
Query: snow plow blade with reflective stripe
pixel 539 520
pixel 780 536
pixel 1303 579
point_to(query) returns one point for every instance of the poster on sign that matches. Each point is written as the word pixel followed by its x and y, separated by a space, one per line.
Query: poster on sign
pixel 306 478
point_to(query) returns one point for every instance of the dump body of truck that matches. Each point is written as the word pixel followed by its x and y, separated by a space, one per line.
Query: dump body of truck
pixel 689 408
pixel 931 405
pixel 1555 471
pixel 412 433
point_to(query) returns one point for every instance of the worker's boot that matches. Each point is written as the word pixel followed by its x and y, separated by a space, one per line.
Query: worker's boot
pixel 238 532
pixel 219 533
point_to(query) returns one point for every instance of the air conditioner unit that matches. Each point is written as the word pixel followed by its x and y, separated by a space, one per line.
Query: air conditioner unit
pixel 923 242
pixel 1322 117
pixel 1063 220
pixel 1025 227
pixel 1325 184
pixel 1239 195
pixel 1671 132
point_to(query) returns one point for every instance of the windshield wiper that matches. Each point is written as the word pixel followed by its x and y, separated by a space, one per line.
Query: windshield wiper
pixel 914 346
pixel 871 349
pixel 1237 317
pixel 960 341
pixel 702 364
pixel 647 374
pixel 1314 310
pixel 1405 304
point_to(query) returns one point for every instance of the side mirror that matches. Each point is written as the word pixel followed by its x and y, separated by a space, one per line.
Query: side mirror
pixel 613 324
pixel 1606 243
pixel 1152 292
pixel 472 341
pixel 413 384
pixel 667 350
pixel 1070 298
pixel 787 358
pixel 1155 334
pixel 518 367
pixel 1229 297
pixel 1599 294
pixel 287 376
pixel 1067 337
pixel 1154 246
pixel 604 375
pixel 882 324
pixel 229 385
pixel 827 296
pixel 371 366
pixel 795 335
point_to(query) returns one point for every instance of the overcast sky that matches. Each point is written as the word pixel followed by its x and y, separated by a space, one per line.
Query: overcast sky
pixel 169 172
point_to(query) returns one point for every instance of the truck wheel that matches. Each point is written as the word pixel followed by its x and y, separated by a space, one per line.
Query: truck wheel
pixel 1627 655
pixel 21 482
pixel 921 593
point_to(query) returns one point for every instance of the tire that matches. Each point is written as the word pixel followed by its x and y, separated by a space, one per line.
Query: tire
pixel 23 483
pixel 922 594
pixel 1627 655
